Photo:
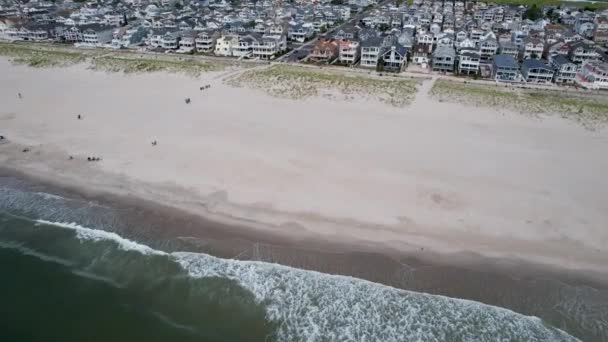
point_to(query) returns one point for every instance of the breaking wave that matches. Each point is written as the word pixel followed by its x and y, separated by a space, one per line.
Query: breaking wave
pixel 312 306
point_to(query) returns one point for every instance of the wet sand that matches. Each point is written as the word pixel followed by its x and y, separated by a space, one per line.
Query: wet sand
pixel 441 198
pixel 573 301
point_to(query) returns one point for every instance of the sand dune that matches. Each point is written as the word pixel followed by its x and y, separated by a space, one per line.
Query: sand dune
pixel 437 175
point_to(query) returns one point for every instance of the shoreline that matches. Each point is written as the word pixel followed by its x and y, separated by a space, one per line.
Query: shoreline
pixel 215 227
pixel 409 206
pixel 526 288
pixel 434 197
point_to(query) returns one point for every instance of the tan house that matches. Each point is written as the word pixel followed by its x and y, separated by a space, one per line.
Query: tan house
pixel 325 50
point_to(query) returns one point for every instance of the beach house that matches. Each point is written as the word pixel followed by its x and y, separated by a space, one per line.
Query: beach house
pixel 565 70
pixel 536 71
pixel 468 62
pixel 505 68
pixel 444 58
pixel 593 75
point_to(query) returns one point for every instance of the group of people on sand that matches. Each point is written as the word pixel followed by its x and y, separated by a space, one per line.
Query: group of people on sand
pixel 93 159
pixel 205 87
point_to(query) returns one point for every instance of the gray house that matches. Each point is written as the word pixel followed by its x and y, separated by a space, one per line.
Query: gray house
pixel 505 68
pixel 468 62
pixel 393 58
pixel 444 59
pixel 509 48
pixel 536 71
pixel 565 70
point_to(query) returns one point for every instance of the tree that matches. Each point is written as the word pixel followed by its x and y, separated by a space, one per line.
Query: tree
pixel 533 13
pixel 552 15
pixel 589 8
pixel 383 27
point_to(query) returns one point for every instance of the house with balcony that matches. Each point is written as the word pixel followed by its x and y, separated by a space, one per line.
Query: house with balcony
pixel 508 48
pixel 536 71
pixel 487 49
pixel 444 58
pixel 593 75
pixel 325 50
pixel 205 41
pixel 225 44
pixel 505 68
pixel 393 58
pixel 370 52
pixel 187 42
pixel 468 61
pixel 268 47
pixel 244 45
pixel 580 52
pixel 348 51
pixel 170 41
pixel 533 48
pixel 300 32
pixel 565 70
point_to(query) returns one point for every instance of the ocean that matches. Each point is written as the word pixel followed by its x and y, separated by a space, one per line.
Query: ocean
pixel 69 275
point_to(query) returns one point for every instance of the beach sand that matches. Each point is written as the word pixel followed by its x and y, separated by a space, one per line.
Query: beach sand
pixel 440 176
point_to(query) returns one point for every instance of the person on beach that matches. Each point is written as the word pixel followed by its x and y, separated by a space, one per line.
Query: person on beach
pixel 154 143
pixel 20 96
pixel 79 117
pixel 1 137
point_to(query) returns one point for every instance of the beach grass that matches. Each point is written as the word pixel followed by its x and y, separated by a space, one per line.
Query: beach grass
pixel 589 110
pixel 589 4
pixel 45 55
pixel 295 82
pixel 131 63
pixel 40 56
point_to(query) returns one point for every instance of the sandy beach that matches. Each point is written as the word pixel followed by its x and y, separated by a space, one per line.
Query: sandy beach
pixel 444 177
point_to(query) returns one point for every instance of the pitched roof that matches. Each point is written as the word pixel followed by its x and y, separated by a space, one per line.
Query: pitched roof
pixel 505 61
pixel 532 63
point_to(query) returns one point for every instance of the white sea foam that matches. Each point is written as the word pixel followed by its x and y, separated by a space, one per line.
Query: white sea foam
pixel 312 306
pixel 84 233
pixel 50 196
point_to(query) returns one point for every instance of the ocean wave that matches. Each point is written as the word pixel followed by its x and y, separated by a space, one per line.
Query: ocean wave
pixel 312 306
pixel 84 233
pixel 30 252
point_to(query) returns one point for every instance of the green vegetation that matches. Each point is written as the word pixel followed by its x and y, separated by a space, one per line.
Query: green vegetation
pixel 541 3
pixel 533 13
pixel 302 82
pixel 589 110
pixel 129 63
pixel 41 56
pixel 44 55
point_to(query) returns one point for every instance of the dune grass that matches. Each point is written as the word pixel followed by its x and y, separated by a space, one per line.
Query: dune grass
pixel 40 56
pixel 131 63
pixel 45 55
pixel 296 82
pixel 589 110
